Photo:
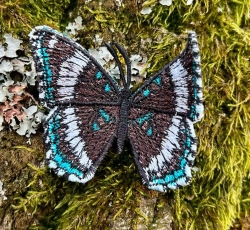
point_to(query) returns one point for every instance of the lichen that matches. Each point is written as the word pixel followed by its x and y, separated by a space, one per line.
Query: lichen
pixel 18 108
pixel 2 192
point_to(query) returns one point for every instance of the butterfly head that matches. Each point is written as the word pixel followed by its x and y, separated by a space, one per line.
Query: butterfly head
pixel 125 94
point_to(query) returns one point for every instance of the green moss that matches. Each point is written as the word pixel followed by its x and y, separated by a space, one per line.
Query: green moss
pixel 219 193
pixel 19 17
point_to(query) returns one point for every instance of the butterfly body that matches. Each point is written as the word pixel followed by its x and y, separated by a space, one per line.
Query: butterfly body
pixel 89 110
pixel 123 123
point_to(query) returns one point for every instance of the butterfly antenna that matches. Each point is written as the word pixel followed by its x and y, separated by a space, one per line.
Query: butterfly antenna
pixel 127 61
pixel 114 54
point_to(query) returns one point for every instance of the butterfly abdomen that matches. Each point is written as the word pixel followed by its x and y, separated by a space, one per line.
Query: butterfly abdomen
pixel 123 122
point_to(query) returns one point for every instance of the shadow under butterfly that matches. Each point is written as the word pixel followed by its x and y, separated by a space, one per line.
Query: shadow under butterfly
pixel 88 110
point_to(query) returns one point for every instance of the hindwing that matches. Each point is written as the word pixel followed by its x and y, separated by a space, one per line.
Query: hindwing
pixel 164 148
pixel 77 138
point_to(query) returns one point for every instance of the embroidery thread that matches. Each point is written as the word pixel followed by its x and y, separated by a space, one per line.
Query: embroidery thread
pixel 88 110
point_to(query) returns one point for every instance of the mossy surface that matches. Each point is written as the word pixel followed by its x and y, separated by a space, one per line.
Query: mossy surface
pixel 219 194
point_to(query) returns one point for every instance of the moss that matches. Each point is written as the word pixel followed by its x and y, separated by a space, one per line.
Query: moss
pixel 15 175
pixel 19 17
pixel 219 193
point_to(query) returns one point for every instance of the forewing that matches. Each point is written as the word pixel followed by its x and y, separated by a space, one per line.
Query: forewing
pixel 67 72
pixel 164 148
pixel 77 139
pixel 176 89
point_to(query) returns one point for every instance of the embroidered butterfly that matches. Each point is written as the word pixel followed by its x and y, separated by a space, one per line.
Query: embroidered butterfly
pixel 88 110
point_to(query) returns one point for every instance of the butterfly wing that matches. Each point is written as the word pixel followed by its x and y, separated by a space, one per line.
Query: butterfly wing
pixel 67 72
pixel 175 89
pixel 164 148
pixel 84 104
pixel 162 112
pixel 77 138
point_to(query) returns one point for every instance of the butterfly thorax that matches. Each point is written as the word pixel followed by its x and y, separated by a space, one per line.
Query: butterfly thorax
pixel 123 121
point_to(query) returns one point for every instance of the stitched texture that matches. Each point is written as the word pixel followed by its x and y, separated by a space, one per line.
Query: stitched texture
pixel 88 111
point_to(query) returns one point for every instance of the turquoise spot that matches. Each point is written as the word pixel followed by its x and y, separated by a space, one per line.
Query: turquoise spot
pixel 169 178
pixel 53 137
pixel 195 93
pixel 98 75
pixel 144 118
pixel 158 181
pixel 146 93
pixel 49 79
pixel 178 174
pixel 193 66
pixel 107 88
pixel 96 127
pixel 43 52
pixel 186 152
pixel 54 147
pixel 66 166
pixel 194 80
pixel 183 163
pixel 50 89
pixel 48 96
pixel 58 159
pixel 104 115
pixel 150 131
pixel 157 80
pixel 46 58
pixel 188 142
pixel 49 73
pixel 192 114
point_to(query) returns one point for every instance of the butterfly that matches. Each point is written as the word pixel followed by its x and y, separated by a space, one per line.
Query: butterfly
pixel 89 110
